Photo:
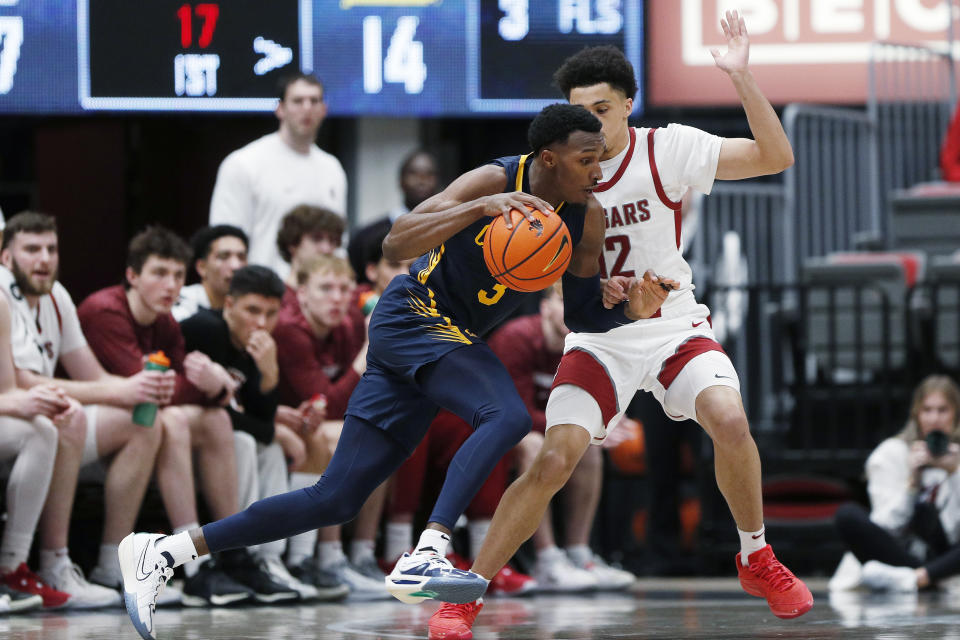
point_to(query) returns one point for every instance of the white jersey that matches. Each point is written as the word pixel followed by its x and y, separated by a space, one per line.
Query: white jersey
pixel 641 192
pixel 39 336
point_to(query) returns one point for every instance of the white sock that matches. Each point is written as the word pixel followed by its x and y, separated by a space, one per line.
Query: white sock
pixel 580 554
pixel 399 540
pixel 49 558
pixel 302 546
pixel 15 550
pixel 330 553
pixel 549 554
pixel 751 541
pixel 433 540
pixel 190 568
pixel 361 550
pixel 477 532
pixel 108 560
pixel 180 547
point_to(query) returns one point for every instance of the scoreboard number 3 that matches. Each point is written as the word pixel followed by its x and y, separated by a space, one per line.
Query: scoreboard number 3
pixel 403 63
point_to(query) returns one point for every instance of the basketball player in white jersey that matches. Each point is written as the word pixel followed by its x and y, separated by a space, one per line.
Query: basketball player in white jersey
pixel 674 354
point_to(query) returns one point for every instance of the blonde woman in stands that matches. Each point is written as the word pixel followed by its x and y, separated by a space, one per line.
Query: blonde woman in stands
pixel 910 538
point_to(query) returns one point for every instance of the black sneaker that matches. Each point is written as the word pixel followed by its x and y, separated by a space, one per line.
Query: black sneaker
pixel 20 601
pixel 245 569
pixel 329 586
pixel 211 586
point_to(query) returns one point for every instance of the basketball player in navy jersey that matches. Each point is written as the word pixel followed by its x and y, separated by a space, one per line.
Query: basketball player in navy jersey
pixel 425 353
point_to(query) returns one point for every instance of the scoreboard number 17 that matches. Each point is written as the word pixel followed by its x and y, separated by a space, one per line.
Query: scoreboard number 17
pixel 403 63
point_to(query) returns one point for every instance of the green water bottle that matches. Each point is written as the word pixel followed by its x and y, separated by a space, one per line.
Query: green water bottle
pixel 145 413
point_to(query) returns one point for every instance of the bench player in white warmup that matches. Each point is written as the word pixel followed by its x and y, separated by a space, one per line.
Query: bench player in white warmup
pixel 674 355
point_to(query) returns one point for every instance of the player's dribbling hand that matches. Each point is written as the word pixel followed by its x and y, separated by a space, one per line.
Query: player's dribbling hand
pixel 647 294
pixel 738 44
pixel 500 204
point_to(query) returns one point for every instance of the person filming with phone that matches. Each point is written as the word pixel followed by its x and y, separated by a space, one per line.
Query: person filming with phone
pixel 910 539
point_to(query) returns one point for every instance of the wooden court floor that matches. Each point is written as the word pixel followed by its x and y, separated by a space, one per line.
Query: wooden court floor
pixel 656 608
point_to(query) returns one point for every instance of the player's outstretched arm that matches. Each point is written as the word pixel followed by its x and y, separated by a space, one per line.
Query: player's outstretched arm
pixel 770 151
pixel 473 195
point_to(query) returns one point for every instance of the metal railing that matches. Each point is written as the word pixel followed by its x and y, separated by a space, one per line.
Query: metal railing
pixel 754 211
pixel 913 92
pixel 827 369
pixel 832 192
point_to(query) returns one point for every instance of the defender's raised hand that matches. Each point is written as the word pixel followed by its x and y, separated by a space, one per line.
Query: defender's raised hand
pixel 738 44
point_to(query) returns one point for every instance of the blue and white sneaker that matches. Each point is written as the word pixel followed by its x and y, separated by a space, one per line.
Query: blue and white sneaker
pixel 145 573
pixel 423 575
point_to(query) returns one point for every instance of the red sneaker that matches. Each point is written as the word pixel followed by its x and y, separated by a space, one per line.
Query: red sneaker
pixel 765 577
pixel 26 581
pixel 510 582
pixel 458 561
pixel 453 621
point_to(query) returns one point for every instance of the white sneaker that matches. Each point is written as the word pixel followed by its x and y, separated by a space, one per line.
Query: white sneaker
pixel 555 572
pixel 848 574
pixel 278 571
pixel 422 575
pixel 171 596
pixel 883 577
pixel 608 578
pixel 361 587
pixel 145 574
pixel 4 603
pixel 67 577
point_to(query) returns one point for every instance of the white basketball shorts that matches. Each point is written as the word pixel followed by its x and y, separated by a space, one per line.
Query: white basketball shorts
pixel 673 358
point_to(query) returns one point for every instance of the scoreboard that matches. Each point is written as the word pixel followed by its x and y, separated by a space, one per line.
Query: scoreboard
pixel 375 57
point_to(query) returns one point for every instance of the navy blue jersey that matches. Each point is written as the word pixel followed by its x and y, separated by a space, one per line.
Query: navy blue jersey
pixel 456 275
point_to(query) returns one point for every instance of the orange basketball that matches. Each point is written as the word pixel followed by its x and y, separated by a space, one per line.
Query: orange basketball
pixel 532 255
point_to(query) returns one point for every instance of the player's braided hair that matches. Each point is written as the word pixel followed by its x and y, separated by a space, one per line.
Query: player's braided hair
pixel 556 122
pixel 594 65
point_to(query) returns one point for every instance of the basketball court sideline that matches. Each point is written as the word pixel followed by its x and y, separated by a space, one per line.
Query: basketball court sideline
pixel 702 609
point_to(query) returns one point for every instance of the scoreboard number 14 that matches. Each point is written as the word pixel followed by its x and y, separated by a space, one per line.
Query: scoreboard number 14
pixel 403 63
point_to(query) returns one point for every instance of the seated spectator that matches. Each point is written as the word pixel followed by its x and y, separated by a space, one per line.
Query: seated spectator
pixel 378 271
pixel 239 339
pixel 418 181
pixel 305 233
pixel 217 252
pixel 261 468
pixel 45 333
pixel 126 323
pixel 910 538
pixel 322 354
pixel 29 439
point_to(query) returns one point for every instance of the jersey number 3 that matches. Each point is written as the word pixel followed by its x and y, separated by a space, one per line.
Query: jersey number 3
pixel 610 244
pixel 489 300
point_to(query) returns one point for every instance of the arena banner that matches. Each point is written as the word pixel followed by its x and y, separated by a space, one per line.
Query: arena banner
pixel 801 50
